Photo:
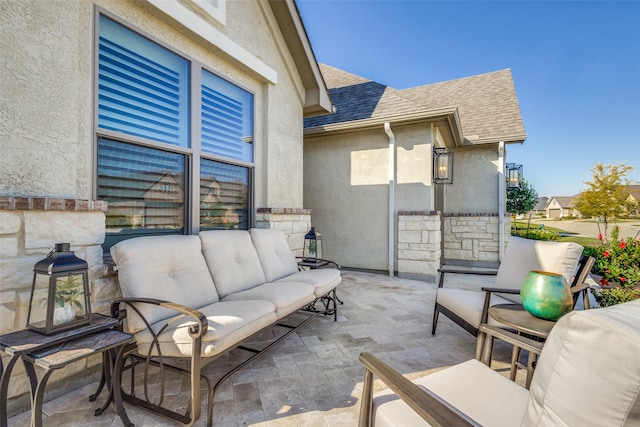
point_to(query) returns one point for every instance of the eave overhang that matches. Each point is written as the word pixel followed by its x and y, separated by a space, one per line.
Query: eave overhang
pixel 447 115
pixel 317 100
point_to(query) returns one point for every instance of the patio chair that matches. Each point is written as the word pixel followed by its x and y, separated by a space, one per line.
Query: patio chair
pixel 465 306
pixel 588 374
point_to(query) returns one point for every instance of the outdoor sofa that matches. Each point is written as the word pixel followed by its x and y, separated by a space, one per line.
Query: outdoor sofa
pixel 195 297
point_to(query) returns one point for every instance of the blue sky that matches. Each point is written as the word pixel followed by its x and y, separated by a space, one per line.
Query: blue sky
pixel 575 64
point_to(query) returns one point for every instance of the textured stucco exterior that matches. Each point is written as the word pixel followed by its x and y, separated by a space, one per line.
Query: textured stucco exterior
pixel 47 93
pixel 347 188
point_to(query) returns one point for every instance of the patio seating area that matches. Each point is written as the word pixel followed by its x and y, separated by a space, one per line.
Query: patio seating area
pixel 314 377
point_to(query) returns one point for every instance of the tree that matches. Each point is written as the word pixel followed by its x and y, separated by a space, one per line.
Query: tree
pixel 606 194
pixel 521 200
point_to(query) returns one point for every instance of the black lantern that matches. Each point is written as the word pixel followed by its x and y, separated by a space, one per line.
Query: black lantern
pixel 60 292
pixel 442 166
pixel 312 251
pixel 514 175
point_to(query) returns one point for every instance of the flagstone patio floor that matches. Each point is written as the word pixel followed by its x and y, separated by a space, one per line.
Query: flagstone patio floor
pixel 313 378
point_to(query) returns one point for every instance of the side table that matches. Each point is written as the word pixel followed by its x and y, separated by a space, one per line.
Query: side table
pixel 516 317
pixel 52 352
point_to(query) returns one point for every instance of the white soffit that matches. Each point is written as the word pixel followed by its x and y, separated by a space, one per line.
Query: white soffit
pixel 201 27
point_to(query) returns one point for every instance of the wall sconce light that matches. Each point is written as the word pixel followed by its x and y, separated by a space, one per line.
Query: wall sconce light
pixel 514 175
pixel 442 166
pixel 60 292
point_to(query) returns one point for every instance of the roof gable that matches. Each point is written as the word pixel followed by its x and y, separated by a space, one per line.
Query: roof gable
pixel 487 104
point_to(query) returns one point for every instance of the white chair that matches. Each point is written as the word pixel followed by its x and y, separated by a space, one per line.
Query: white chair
pixel 465 307
pixel 588 374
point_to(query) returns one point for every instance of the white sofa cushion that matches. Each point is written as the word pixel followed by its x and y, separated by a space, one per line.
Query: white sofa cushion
pixel 230 322
pixel 287 297
pixel 471 387
pixel 322 279
pixel 274 252
pixel 169 268
pixel 468 304
pixel 232 260
pixel 589 371
pixel 524 255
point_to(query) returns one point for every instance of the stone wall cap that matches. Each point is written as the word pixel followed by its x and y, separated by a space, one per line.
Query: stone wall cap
pixel 14 203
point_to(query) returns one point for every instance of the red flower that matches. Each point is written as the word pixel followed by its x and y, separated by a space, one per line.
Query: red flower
pixel 600 236
pixel 621 245
pixel 608 271
pixel 622 279
pixel 606 253
pixel 604 282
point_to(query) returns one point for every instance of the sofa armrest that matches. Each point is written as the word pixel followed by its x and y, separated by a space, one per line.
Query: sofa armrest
pixel 454 269
pixel 429 406
pixel 196 331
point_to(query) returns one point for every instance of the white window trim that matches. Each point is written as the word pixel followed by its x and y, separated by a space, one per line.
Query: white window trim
pixel 217 9
pixel 198 25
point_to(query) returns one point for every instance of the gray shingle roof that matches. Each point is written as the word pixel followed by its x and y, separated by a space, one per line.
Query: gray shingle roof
pixel 487 103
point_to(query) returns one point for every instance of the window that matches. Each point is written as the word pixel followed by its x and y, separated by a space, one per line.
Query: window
pixel 147 146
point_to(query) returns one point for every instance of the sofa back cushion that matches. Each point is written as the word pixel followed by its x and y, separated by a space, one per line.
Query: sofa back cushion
pixel 274 252
pixel 589 370
pixel 524 255
pixel 169 268
pixel 232 260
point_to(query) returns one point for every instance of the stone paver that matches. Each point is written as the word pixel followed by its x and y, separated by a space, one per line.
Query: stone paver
pixel 314 377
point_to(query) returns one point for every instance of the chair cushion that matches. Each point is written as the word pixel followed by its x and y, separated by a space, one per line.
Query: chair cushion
pixel 274 252
pixel 589 371
pixel 230 322
pixel 287 297
pixel 468 304
pixel 232 260
pixel 322 279
pixel 169 268
pixel 524 255
pixel 471 387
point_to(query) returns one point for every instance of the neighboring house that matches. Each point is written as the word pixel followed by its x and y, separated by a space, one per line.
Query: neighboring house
pixel 368 171
pixel 540 209
pixel 634 199
pixel 561 207
pixel 124 118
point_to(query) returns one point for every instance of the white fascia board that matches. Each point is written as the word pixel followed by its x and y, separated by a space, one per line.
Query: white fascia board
pixel 201 27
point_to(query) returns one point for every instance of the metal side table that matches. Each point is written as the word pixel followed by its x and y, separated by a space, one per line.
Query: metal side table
pixel 516 317
pixel 52 352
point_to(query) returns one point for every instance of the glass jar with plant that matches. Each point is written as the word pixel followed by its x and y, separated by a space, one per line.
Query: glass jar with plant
pixel 68 297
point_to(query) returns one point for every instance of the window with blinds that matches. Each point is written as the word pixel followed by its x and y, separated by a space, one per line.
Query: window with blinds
pixel 144 109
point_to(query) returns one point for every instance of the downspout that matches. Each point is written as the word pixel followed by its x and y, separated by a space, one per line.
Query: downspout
pixel 392 205
pixel 501 193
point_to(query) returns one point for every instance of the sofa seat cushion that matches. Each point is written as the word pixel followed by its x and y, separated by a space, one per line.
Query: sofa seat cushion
pixel 274 252
pixel 230 322
pixel 232 260
pixel 169 268
pixel 287 297
pixel 470 387
pixel 322 279
pixel 468 304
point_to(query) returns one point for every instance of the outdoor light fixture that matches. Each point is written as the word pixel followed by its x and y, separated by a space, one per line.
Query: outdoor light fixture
pixel 514 175
pixel 442 166
pixel 312 251
pixel 60 292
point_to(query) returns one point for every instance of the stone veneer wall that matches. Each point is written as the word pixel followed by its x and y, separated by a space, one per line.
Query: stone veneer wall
pixel 29 229
pixel 473 237
pixel 419 239
pixel 295 223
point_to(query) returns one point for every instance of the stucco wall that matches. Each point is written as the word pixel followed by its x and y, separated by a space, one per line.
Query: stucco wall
pixel 46 134
pixel 475 181
pixel 346 185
